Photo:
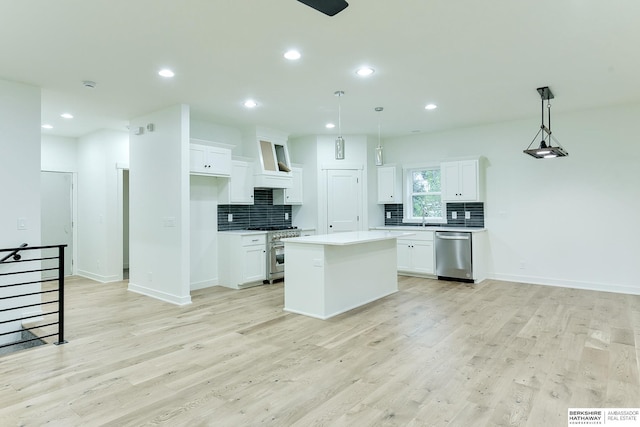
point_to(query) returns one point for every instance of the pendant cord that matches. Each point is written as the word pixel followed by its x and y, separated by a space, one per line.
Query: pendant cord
pixel 549 115
pixel 339 117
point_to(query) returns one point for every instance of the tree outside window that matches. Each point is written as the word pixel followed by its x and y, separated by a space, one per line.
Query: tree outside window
pixel 425 195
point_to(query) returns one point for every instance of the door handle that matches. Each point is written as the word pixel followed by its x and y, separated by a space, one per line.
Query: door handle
pixel 452 238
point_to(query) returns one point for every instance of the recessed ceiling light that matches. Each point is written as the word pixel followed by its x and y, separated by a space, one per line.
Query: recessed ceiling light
pixel 430 107
pixel 329 125
pixel 364 71
pixel 47 126
pixel 165 72
pixel 292 55
pixel 66 116
pixel 250 103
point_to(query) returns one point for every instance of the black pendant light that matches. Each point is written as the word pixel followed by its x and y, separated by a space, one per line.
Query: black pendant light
pixel 328 7
pixel 545 149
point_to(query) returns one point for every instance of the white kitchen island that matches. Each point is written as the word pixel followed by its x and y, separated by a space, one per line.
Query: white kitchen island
pixel 332 273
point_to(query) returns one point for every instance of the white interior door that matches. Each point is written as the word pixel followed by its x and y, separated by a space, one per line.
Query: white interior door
pixel 56 201
pixel 344 200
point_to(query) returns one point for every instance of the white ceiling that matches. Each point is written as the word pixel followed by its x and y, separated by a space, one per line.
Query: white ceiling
pixel 480 61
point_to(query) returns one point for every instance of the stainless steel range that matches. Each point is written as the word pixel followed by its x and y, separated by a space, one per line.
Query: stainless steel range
pixel 275 250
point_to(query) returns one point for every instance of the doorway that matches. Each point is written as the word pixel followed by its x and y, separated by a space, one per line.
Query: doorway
pixel 125 224
pixel 56 218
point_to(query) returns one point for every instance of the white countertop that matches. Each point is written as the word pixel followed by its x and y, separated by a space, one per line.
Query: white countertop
pixel 349 237
pixel 439 228
pixel 243 232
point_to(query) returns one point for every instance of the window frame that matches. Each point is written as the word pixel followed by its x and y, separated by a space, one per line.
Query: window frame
pixel 407 196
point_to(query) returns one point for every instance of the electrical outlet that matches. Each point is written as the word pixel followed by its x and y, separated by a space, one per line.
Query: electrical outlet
pixel 454 215
pixel 230 218
pixel 388 215
pixel 467 215
pixel 523 265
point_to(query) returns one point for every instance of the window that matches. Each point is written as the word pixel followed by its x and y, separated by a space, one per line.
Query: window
pixel 423 199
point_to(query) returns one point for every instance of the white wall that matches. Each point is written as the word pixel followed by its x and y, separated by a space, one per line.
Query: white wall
pixel 98 229
pixel 204 231
pixel 303 151
pixel 568 221
pixel 200 129
pixel 59 154
pixel 19 189
pixel 159 206
pixel 317 155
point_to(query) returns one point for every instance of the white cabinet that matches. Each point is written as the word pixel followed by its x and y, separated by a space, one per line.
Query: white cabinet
pixel 242 259
pixel 389 184
pixel 293 195
pixel 460 181
pixel 209 160
pixel 238 189
pixel 416 254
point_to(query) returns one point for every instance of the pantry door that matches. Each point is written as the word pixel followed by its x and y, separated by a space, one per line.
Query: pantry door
pixel 344 200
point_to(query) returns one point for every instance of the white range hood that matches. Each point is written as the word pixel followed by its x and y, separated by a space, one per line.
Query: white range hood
pixel 273 166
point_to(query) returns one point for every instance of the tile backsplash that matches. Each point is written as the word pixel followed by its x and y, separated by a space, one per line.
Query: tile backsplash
pixel 475 209
pixel 263 213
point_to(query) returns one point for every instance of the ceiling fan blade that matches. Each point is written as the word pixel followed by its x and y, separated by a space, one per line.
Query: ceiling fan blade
pixel 328 7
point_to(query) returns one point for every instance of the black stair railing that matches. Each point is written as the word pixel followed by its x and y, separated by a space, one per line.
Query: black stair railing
pixel 14 254
pixel 20 291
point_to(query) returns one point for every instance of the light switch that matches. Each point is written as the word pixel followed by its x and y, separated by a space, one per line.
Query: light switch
pixel 454 215
pixel 22 223
pixel 467 215
pixel 286 216
pixel 388 215
pixel 230 218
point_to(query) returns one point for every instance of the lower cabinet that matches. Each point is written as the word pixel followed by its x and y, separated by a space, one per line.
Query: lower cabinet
pixel 242 259
pixel 416 254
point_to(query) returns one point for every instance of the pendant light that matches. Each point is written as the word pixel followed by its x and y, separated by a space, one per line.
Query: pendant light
pixel 379 161
pixel 545 150
pixel 339 140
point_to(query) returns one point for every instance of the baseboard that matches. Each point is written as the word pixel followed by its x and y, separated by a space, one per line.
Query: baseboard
pixel 574 284
pixel 204 284
pixel 99 278
pixel 162 296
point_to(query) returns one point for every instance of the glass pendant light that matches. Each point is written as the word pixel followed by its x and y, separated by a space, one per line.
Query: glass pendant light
pixel 379 161
pixel 339 140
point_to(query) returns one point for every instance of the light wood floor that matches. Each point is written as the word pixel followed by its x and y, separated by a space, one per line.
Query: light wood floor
pixel 433 354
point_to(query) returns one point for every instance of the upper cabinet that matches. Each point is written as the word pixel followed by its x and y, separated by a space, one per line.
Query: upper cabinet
pixel 460 181
pixel 293 195
pixel 238 189
pixel 209 159
pixel 389 185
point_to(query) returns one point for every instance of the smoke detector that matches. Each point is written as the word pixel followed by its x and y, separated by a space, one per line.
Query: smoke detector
pixel 88 83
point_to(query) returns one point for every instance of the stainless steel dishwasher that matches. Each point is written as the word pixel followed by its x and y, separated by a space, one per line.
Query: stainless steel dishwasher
pixel 453 256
